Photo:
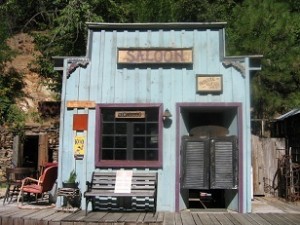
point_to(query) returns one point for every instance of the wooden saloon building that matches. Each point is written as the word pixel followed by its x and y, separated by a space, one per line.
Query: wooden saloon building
pixel 162 98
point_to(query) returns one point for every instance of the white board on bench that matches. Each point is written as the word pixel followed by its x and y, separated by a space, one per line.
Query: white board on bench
pixel 123 181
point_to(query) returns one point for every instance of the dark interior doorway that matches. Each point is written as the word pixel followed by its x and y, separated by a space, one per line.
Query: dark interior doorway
pixel 206 195
pixel 206 199
pixel 31 151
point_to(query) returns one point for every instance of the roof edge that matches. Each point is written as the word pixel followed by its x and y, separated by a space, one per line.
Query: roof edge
pixel 109 26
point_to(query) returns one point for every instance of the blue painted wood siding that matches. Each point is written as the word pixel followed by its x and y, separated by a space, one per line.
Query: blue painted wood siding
pixel 103 81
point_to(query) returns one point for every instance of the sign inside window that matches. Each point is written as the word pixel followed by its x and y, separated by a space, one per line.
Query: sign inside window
pixel 130 114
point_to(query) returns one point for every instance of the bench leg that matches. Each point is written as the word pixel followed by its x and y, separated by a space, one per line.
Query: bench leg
pixel 86 206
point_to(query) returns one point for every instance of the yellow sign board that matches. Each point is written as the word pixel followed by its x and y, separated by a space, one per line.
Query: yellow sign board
pixel 79 146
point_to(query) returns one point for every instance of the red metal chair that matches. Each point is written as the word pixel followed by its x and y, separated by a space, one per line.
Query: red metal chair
pixel 42 185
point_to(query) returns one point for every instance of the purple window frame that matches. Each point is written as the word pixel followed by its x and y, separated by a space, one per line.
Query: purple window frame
pixel 99 163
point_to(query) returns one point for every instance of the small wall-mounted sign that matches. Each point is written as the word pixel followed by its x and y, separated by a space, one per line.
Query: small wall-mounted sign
pixel 209 83
pixel 155 56
pixel 130 114
pixel 80 122
pixel 81 104
pixel 79 146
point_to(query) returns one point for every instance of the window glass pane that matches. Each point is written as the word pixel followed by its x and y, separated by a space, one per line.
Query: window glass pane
pixel 139 128
pixel 152 128
pixel 108 128
pixel 107 154
pixel 152 142
pixel 121 128
pixel 108 115
pixel 107 142
pixel 152 155
pixel 139 155
pixel 152 114
pixel 120 155
pixel 139 142
pixel 121 142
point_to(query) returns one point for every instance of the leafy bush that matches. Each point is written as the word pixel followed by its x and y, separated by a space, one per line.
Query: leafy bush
pixel 72 177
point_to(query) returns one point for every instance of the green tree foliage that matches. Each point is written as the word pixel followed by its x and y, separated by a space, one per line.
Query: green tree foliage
pixel 144 11
pixel 67 33
pixel 204 10
pixel 269 28
pixel 10 84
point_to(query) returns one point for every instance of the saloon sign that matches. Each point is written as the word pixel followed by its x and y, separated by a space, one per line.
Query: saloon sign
pixel 155 56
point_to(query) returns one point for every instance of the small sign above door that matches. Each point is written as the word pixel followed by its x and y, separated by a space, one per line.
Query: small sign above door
pixel 209 83
pixel 129 114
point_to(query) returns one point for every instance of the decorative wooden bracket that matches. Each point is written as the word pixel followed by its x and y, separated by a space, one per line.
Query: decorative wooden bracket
pixel 235 64
pixel 75 63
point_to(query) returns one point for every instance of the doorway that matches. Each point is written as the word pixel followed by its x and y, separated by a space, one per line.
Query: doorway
pixel 30 151
pixel 208 144
pixel 34 151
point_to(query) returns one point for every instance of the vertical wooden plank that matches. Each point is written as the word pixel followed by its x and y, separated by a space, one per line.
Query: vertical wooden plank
pixel 43 150
pixel 257 166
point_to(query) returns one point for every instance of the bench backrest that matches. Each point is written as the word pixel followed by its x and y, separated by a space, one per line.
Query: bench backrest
pixel 141 181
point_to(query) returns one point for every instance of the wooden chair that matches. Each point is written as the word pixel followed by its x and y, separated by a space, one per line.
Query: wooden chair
pixel 39 186
pixel 14 177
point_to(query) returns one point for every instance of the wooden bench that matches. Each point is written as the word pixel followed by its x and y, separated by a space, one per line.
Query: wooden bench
pixel 102 185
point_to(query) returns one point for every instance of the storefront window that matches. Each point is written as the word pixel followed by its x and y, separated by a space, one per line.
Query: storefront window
pixel 128 136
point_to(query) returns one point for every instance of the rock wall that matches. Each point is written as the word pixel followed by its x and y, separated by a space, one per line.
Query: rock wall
pixel 6 151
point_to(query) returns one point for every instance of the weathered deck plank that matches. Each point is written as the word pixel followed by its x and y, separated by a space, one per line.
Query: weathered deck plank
pixel 233 219
pixel 17 219
pixel 271 218
pixel 286 218
pixel 222 219
pixel 187 218
pixel 241 219
pixel 16 216
pixel 294 218
pixel 178 220
pixel 169 219
pixel 205 219
pixel 77 216
pixel 111 217
pixel 197 219
pixel 94 216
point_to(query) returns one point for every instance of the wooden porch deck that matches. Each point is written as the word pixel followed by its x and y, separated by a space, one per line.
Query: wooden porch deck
pixel 269 211
pixel 14 216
